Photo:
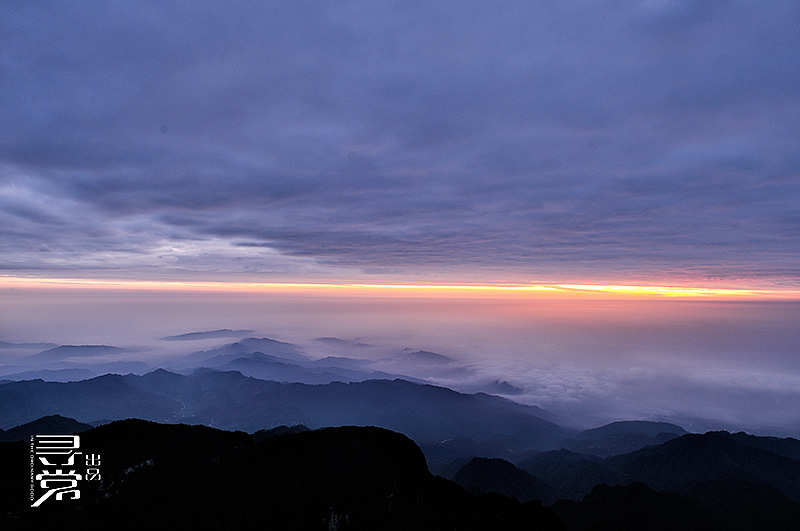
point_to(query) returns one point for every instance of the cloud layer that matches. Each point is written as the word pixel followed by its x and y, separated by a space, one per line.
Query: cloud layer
pixel 513 141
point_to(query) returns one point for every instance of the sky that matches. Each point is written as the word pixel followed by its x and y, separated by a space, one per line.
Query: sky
pixel 471 178
pixel 600 142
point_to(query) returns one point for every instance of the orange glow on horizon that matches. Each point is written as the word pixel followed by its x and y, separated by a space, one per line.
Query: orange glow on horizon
pixel 507 291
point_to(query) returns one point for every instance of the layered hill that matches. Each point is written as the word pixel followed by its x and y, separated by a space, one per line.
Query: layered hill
pixel 195 477
pixel 481 476
pixel 232 401
pixel 170 476
pixel 622 437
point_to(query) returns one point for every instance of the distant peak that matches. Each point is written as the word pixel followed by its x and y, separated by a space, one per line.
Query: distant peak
pixel 425 356
pixel 210 334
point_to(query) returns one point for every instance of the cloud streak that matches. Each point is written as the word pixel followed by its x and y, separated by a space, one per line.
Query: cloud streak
pixel 614 140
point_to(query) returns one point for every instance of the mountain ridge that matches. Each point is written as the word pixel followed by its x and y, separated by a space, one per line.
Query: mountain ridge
pixel 231 400
pixel 177 476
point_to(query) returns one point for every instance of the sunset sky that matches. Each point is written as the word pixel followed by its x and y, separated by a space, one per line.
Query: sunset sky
pixel 593 206
pixel 643 143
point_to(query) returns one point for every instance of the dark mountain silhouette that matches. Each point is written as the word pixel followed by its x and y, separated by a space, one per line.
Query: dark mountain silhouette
pixel 210 334
pixel 719 505
pixel 178 476
pixel 450 470
pixel 444 454
pixel 632 507
pixel 261 435
pixel 622 437
pixel 787 447
pixel 735 504
pixel 481 476
pixel 441 453
pixel 230 400
pixel 184 477
pixel 45 425
pixel 679 466
pixel 702 458
pixel 570 474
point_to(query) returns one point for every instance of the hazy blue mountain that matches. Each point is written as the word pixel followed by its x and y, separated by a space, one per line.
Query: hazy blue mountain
pixel 73 371
pixel 230 400
pixel 104 397
pixel 218 357
pixel 122 367
pixel 424 356
pixel 52 375
pixel 496 401
pixel 264 367
pixel 63 352
pixel 481 475
pixel 273 347
pixel 273 360
pixel 16 407
pixel 442 452
pixel 27 346
pixel 630 427
pixel 53 424
pixel 341 362
pixel 622 437
pixel 341 343
pixel 352 370
pixel 211 334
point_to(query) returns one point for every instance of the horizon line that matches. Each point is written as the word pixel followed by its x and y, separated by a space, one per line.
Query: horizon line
pixel 506 290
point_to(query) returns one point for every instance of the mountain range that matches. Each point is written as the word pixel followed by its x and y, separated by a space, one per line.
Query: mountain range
pixel 177 476
pixel 158 476
pixel 231 400
pixel 425 456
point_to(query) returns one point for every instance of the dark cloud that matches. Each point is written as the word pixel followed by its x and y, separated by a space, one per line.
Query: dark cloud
pixel 509 141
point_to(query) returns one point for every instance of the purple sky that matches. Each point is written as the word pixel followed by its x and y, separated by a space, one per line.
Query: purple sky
pixel 353 141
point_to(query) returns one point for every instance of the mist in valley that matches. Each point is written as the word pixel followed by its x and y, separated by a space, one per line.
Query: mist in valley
pixel 700 364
